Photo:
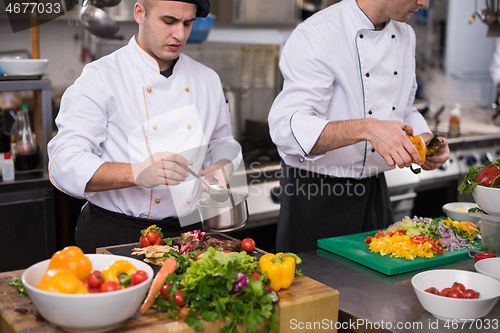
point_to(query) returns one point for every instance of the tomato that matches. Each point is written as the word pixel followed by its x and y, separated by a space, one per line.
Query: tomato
pixel 152 236
pixel 196 258
pixel 86 282
pixel 227 251
pixel 470 293
pixel 94 290
pixel 248 245
pixel 445 292
pixel 179 295
pixel 455 293
pixel 432 290
pixel 457 286
pixel 164 289
pixel 138 277
pixel 179 298
pixel 255 275
pixel 144 242
pixel 110 286
pixel 95 279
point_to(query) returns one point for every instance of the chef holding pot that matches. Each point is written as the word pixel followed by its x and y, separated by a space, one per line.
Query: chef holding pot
pixel 131 121
pixel 342 119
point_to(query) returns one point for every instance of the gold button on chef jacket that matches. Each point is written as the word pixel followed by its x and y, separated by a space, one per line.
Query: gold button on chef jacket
pixel 338 70
pixel 121 109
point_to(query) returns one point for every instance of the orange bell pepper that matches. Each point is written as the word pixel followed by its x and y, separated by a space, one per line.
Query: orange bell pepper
pixel 63 281
pixel 419 144
pixel 72 259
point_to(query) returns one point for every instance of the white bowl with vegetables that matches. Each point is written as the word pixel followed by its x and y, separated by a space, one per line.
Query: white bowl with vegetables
pixel 453 306
pixel 97 312
pixel 459 211
pixel 488 199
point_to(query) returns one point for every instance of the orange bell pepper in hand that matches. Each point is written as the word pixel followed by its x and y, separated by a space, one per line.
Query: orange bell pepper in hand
pixel 63 281
pixel 72 259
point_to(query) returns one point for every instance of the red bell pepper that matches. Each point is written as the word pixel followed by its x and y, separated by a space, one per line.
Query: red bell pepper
pixel 489 175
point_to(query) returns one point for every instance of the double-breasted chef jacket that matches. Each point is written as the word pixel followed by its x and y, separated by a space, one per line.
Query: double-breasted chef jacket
pixel 121 109
pixel 336 66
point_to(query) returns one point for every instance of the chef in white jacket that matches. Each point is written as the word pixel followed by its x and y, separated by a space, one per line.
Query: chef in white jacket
pixel 130 120
pixel 342 119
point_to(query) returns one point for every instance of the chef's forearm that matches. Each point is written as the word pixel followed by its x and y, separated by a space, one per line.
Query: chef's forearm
pixel 111 176
pixel 338 134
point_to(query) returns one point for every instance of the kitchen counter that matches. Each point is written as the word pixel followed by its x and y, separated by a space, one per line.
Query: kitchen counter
pixel 388 303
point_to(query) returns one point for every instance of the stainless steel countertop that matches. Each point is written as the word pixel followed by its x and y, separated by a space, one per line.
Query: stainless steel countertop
pixel 382 299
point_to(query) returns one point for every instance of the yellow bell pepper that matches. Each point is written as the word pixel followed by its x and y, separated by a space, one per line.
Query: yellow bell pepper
pixel 280 268
pixel 113 271
pixel 72 259
pixel 63 281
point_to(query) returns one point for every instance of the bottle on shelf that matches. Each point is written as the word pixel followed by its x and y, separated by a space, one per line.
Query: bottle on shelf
pixel 4 139
pixel 454 126
pixel 26 149
pixel 7 168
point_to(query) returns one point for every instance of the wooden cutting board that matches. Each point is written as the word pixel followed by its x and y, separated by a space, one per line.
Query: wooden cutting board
pixel 305 302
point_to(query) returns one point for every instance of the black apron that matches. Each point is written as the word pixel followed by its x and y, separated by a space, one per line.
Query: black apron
pixel 98 227
pixel 315 206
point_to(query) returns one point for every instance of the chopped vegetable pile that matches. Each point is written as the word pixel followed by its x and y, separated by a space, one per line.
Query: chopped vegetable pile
pixel 423 237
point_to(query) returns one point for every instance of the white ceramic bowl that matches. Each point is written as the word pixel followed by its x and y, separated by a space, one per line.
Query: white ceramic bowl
pixel 489 266
pixel 13 66
pixel 445 308
pixel 488 199
pixel 458 211
pixel 89 312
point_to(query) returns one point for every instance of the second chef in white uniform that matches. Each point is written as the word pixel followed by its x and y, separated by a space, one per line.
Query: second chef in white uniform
pixel 128 121
pixel 341 118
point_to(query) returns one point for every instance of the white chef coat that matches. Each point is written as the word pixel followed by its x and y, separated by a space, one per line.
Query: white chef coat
pixel 121 109
pixel 495 64
pixel 336 66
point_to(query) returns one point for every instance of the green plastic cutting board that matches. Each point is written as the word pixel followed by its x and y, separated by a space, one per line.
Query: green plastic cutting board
pixel 353 247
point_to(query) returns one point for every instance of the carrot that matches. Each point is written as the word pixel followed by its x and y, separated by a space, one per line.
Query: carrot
pixel 166 269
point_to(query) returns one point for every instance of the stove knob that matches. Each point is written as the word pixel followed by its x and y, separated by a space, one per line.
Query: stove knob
pixel 486 157
pixel 470 160
pixel 444 166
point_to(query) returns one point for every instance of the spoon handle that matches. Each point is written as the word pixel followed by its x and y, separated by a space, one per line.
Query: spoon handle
pixel 193 173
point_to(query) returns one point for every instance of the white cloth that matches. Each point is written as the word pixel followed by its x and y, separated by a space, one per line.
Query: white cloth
pixel 495 64
pixel 121 109
pixel 336 66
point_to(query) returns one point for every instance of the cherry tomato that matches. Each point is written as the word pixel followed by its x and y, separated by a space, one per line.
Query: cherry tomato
pixel 138 277
pixel 179 298
pixel 94 290
pixel 95 279
pixel 227 251
pixel 248 244
pixel 432 290
pixel 470 293
pixel 457 286
pixel 196 258
pixel 255 275
pixel 158 241
pixel 455 293
pixel 144 242
pixel 164 289
pixel 86 282
pixel 445 292
pixel 110 286
pixel 152 236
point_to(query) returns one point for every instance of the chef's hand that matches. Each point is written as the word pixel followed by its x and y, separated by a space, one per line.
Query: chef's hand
pixel 215 173
pixel 389 139
pixel 437 160
pixel 160 169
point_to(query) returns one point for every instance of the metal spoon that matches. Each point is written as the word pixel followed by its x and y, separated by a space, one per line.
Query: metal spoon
pixel 217 192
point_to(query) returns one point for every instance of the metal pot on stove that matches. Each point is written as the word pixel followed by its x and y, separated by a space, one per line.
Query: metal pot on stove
pixel 224 216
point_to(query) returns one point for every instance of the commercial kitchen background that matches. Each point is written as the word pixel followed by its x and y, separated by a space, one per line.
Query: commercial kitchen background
pixel 453 59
